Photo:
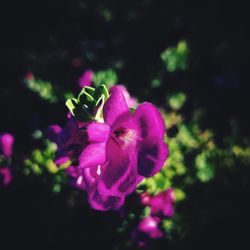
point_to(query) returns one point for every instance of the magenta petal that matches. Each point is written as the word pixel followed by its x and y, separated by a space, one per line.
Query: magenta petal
pixel 163 203
pixel 6 144
pixel 149 226
pixel 61 160
pixel 168 210
pixel 93 155
pixel 73 171
pixel 149 121
pixel 97 132
pixel 120 176
pixel 152 156
pixel 71 134
pixel 104 203
pixel 157 204
pixel 78 183
pixel 114 107
pixel 86 78
pixel 145 199
pixel 91 176
pixel 53 132
pixel 76 177
pixel 131 102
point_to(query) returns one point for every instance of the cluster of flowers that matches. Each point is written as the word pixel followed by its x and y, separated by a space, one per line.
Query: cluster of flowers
pixel 112 144
pixel 161 206
pixel 6 150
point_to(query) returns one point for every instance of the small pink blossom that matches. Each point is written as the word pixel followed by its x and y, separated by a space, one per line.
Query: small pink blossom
pixel 145 199
pixel 148 228
pixel 5 176
pixel 161 204
pixel 6 144
pixel 86 78
pixel 29 76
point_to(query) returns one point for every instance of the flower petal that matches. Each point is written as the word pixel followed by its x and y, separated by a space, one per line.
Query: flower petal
pixel 149 226
pixel 91 176
pixel 114 107
pixel 97 132
pixel 61 159
pixel 53 132
pixel 86 78
pixel 104 203
pixel 168 210
pixel 93 155
pixel 152 155
pixel 150 121
pixel 131 101
pixel 120 176
pixel 76 177
pixel 71 134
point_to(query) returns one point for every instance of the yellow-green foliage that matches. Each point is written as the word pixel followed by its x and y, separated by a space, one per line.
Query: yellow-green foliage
pixel 43 89
pixel 107 77
pixel 175 58
pixel 41 163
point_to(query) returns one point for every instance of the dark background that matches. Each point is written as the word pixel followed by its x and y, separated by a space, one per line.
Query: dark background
pixel 47 37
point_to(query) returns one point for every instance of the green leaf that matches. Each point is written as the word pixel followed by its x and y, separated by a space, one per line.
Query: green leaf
pixel 72 105
pixel 101 90
pixel 89 90
pixel 132 110
pixel 85 98
pixel 80 112
pixel 176 58
pixel 176 101
pixel 109 77
pixel 99 107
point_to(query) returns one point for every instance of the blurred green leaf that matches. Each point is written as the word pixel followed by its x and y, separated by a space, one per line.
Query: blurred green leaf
pixel 107 77
pixel 176 101
pixel 176 58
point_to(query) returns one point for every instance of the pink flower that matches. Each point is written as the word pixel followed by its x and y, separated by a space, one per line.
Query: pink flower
pixel 6 144
pixel 29 76
pixel 147 229
pixel 145 199
pixel 160 204
pixel 5 176
pixel 127 147
pixel 86 78
pixel 53 131
pixel 115 155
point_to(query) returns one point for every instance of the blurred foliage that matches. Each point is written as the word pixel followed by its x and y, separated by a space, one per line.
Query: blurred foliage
pixel 40 165
pixel 44 89
pixel 52 93
pixel 107 77
pixel 128 37
pixel 194 157
pixel 176 58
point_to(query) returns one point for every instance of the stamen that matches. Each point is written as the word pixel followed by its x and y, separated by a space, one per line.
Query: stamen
pixel 79 180
pixel 124 137
pixel 98 172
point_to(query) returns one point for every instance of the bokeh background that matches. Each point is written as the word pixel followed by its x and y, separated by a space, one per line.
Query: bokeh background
pixel 57 41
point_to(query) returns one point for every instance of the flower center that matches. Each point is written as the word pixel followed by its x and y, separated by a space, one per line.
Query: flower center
pixel 124 138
